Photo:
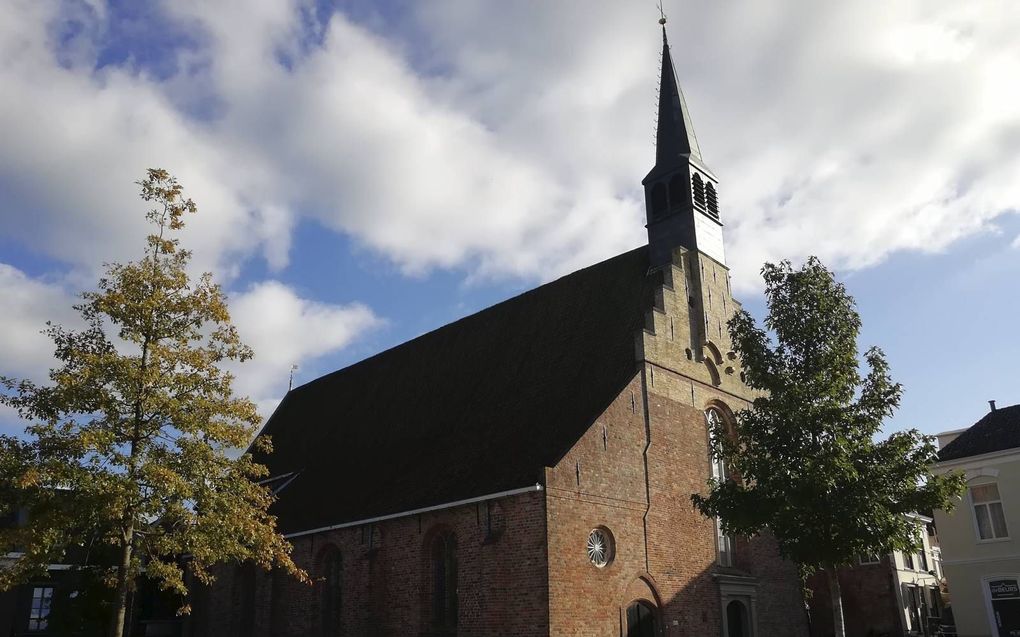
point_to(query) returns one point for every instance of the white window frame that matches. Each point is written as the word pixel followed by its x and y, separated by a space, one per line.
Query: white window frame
pixel 974 518
pixel 860 559
pixel 40 623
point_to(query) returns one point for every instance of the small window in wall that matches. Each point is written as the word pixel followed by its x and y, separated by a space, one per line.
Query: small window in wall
pixel 725 544
pixel 908 561
pixel 39 613
pixel 991 522
pixel 917 606
pixel 600 547
pixel 868 559
pixel 444 583
pixel 332 591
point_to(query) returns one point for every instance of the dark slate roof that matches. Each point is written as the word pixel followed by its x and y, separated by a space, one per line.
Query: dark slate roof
pixel 675 141
pixel 997 431
pixel 476 407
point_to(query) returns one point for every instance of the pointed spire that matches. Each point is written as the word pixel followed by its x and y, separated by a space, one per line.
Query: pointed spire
pixel 675 141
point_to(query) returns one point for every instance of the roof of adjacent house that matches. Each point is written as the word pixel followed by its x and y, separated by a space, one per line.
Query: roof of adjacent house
pixel 473 408
pixel 998 430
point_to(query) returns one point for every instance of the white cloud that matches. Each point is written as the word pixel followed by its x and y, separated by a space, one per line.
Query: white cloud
pixel 285 329
pixel 510 139
pixel 28 304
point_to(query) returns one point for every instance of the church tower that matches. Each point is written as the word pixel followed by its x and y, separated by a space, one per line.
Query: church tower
pixel 685 241
pixel 681 193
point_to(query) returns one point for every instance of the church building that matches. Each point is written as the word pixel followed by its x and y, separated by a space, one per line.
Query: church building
pixel 527 470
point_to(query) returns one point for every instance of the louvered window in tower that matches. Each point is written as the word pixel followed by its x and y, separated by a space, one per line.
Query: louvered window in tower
pixel 699 191
pixel 711 200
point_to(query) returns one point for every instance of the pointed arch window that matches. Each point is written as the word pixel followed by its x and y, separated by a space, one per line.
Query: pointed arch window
pixel 444 583
pixel 330 603
pixel 658 200
pixel 711 200
pixel 717 425
pixel 698 188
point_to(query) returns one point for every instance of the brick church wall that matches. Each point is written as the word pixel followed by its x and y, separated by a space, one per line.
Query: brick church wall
pixel 385 590
pixel 870 605
pixel 665 551
pixel 599 483
pixel 532 576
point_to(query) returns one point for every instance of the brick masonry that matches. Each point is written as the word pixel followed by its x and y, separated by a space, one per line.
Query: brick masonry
pixel 869 601
pixel 522 564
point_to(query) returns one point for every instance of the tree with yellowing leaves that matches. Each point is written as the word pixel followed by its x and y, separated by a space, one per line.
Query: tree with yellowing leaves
pixel 129 445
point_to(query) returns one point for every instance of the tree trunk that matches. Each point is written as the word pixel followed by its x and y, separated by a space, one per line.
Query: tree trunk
pixel 839 630
pixel 123 585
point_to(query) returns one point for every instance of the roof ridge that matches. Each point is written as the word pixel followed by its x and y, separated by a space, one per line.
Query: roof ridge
pixel 449 326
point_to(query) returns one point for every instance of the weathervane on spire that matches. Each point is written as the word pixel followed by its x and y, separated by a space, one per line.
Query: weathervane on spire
pixel 662 15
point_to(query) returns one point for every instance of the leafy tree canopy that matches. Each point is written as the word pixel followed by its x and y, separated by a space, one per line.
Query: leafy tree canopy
pixel 131 443
pixel 804 459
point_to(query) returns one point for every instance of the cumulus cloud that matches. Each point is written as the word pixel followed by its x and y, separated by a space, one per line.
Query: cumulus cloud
pixel 284 330
pixel 509 139
pixel 28 304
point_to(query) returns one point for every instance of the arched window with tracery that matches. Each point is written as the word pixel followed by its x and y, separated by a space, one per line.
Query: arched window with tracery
pixel 444 583
pixel 331 569
pixel 719 425
pixel 698 187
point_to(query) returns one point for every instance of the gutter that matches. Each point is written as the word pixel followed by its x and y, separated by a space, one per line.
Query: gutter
pixel 404 514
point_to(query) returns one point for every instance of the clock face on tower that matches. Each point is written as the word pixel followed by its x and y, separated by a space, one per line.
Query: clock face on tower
pixel 708 234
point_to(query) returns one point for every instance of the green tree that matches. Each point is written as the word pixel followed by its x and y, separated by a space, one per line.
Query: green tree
pixel 130 444
pixel 804 460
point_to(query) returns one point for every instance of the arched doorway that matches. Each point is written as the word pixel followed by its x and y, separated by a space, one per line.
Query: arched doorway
pixel 641 620
pixel 738 624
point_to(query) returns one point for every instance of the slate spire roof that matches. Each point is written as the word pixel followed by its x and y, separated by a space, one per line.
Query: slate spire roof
pixel 675 141
pixel 476 407
pixel 998 430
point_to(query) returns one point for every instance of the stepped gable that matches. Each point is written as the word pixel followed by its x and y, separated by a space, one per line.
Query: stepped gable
pixel 476 407
pixel 997 431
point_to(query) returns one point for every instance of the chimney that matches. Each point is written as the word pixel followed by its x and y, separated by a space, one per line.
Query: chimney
pixel 991 403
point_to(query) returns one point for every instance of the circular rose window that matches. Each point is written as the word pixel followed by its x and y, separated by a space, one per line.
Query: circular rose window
pixel 600 547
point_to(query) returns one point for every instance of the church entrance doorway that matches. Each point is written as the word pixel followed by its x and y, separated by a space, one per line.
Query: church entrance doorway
pixel 641 620
pixel 738 623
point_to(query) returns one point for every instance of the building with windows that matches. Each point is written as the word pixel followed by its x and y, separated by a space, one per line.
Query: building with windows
pixel 895 594
pixel 981 556
pixel 527 470
pixel 70 598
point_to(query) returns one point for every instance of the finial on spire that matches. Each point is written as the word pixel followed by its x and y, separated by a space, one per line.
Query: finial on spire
pixel 662 15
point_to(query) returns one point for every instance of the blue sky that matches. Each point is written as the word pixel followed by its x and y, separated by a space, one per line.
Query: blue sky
pixel 368 171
